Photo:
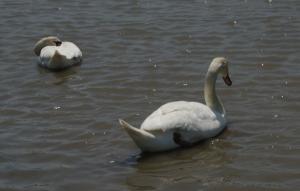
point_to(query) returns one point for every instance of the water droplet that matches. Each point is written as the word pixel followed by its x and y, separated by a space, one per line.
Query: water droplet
pixel 276 115
pixel 262 65
pixel 57 107
pixel 234 22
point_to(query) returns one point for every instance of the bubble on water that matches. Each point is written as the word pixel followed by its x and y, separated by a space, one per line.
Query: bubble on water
pixel 235 22
pixel 282 97
pixel 262 65
pixel 275 116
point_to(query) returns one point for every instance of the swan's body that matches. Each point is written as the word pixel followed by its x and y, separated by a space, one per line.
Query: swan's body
pixel 183 123
pixel 54 54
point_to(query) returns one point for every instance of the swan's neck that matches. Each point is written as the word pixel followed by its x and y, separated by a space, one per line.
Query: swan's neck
pixel 210 96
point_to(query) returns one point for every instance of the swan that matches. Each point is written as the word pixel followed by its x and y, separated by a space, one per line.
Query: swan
pixel 182 123
pixel 55 54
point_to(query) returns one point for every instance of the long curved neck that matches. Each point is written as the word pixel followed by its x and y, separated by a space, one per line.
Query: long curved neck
pixel 210 96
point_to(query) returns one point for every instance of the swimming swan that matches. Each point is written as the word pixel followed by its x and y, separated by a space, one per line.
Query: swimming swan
pixel 182 123
pixel 55 54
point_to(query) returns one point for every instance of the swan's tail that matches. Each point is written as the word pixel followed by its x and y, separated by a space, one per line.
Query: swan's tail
pixel 142 138
pixel 58 61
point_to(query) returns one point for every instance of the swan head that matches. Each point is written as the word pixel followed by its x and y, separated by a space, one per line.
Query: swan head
pixel 220 65
pixel 46 41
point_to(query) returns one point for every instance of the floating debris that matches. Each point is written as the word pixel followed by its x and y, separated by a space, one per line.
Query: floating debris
pixel 188 51
pixel 56 107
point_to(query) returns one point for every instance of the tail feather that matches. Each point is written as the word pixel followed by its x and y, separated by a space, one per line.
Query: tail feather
pixel 58 61
pixel 141 137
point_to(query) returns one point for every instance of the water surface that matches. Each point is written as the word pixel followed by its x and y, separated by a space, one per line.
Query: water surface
pixel 59 131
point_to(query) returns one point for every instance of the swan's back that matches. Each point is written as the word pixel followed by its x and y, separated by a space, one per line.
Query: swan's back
pixel 184 116
pixel 69 54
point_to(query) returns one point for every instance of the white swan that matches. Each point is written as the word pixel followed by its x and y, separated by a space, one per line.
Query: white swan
pixel 55 54
pixel 183 123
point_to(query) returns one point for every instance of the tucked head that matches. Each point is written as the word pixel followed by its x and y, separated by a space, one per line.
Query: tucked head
pixel 220 65
pixel 46 41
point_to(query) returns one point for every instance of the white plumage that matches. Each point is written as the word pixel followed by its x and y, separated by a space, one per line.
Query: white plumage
pixel 54 54
pixel 183 123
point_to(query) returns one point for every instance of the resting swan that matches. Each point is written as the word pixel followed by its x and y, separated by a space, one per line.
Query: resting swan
pixel 55 54
pixel 182 123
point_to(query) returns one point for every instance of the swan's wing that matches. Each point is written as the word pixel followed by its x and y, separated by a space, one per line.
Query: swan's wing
pixel 69 50
pixel 182 116
pixel 46 55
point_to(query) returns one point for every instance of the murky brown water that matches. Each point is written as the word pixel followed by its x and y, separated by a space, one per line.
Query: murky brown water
pixel 59 131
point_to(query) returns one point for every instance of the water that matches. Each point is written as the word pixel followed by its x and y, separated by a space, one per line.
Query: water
pixel 59 131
